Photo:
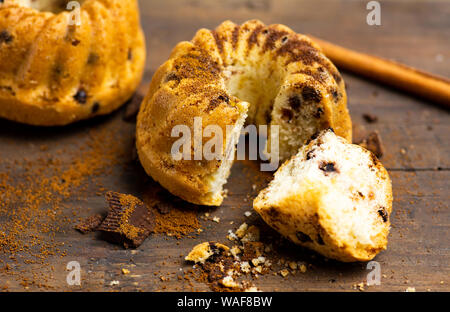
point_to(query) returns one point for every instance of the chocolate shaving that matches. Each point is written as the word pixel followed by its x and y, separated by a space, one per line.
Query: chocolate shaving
pixel 129 221
pixel 89 224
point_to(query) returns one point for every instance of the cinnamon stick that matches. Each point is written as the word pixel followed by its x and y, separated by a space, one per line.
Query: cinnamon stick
pixel 408 79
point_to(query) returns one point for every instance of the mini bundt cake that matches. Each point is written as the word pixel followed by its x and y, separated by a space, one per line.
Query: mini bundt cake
pixel 332 197
pixel 269 74
pixel 57 68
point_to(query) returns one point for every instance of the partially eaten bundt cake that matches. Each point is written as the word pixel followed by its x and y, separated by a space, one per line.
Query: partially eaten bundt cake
pixel 333 197
pixel 61 64
pixel 266 75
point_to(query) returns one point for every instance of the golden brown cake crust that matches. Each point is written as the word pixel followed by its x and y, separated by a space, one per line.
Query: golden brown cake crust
pixel 304 217
pixel 192 83
pixel 59 73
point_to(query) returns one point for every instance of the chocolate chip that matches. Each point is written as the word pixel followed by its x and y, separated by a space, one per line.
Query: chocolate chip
pixel 284 39
pixel 95 107
pixel 383 214
pixel 311 94
pixel 224 98
pixel 5 37
pixel 335 95
pixel 172 76
pixel 318 113
pixel 320 240
pixel 217 101
pixel 303 237
pixel 81 96
pixel 75 42
pixel 130 54
pixel 287 114
pixel 295 102
pixel 328 167
pixel 310 155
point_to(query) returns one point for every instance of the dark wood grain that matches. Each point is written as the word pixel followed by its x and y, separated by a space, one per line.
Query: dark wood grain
pixel 415 135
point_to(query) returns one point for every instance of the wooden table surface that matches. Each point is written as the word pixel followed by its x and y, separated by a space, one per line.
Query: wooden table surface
pixel 415 134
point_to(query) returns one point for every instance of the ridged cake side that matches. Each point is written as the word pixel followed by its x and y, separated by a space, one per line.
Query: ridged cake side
pixel 282 75
pixel 59 73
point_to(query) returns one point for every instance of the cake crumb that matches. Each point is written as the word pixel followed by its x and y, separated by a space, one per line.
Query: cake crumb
pixel 284 272
pixel 293 265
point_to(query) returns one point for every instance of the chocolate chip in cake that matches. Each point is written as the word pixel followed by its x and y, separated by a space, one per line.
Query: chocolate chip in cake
pixel 315 135
pixel 311 94
pixel 335 94
pixel 383 214
pixel 75 42
pixel 304 238
pixel 287 114
pixel 318 112
pixel 130 54
pixel 81 96
pixel 328 167
pixel 310 155
pixel 295 102
pixel 217 101
pixel 95 107
pixel 5 37
pixel 320 240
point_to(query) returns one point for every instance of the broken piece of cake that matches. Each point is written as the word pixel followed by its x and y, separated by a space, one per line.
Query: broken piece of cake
pixel 202 252
pixel 332 197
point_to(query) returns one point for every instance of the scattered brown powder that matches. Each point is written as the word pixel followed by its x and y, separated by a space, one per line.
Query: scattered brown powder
pixel 173 217
pixel 35 191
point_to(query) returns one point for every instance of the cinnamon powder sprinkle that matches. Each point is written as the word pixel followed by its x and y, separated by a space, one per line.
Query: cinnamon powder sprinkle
pixel 34 198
